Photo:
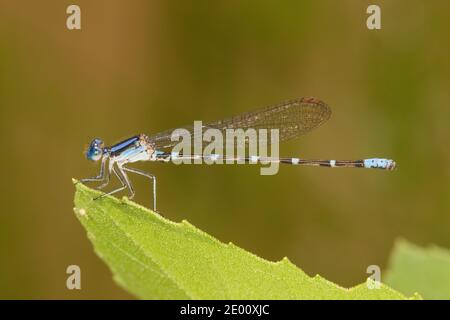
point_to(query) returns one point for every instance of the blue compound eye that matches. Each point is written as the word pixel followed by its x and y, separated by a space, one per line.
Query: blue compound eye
pixel 95 150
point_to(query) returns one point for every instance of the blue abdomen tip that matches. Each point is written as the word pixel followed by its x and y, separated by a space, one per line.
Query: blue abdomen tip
pixel 380 163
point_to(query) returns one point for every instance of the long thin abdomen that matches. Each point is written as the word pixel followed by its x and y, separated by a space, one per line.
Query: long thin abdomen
pixel 377 163
pixel 372 163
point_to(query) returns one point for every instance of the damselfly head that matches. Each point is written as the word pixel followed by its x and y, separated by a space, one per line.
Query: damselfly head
pixel 95 150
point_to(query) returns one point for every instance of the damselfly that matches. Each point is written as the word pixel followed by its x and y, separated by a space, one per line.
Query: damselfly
pixel 291 118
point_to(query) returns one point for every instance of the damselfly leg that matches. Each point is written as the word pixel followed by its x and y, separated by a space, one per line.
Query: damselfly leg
pixel 103 174
pixel 148 175
pixel 123 178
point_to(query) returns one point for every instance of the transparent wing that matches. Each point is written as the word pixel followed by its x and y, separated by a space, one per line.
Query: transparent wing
pixel 292 118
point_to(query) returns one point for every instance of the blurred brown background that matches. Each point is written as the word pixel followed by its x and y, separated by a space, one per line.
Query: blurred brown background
pixel 146 66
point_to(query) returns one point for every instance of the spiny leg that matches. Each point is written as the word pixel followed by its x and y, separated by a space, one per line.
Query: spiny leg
pixel 106 180
pixel 123 181
pixel 101 176
pixel 148 175
pixel 127 181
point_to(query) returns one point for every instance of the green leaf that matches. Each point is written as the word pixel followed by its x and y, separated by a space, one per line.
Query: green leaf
pixel 426 270
pixel 155 258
